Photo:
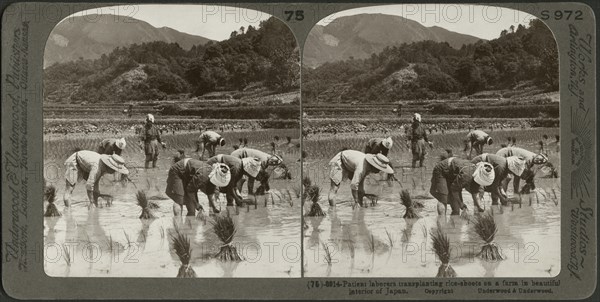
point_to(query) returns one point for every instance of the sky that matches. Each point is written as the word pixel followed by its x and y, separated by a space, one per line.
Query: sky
pixel 210 21
pixel 484 22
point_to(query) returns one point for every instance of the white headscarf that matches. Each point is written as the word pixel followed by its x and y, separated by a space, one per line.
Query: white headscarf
pixel 150 118
pixel 121 143
pixel 387 143
pixel 220 175
pixel 484 174
pixel 417 117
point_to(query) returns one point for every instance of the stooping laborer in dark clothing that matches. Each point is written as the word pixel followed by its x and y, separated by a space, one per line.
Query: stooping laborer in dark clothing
pixel 90 166
pixel 150 140
pixel 450 176
pixel 418 137
pixel 476 139
pixel 209 140
pixel 112 146
pixel 355 166
pixel 187 176
pixel 267 160
pixel 531 159
pixel 503 167
pixel 379 145
pixel 249 166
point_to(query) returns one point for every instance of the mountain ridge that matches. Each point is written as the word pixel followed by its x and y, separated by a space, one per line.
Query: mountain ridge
pixel 91 36
pixel 359 36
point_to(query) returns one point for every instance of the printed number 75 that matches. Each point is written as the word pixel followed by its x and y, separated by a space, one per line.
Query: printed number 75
pixel 299 15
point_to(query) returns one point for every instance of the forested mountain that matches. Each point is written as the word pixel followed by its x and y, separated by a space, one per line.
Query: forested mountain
pixel 90 36
pixel 429 69
pixel 359 36
pixel 265 57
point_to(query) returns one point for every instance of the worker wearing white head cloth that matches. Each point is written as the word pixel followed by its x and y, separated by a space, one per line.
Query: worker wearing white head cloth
pixel 379 145
pixel 209 140
pixel 450 176
pixel 418 137
pixel 150 140
pixel 531 161
pixel 187 176
pixel 503 168
pixel 476 139
pixel 112 146
pixel 239 168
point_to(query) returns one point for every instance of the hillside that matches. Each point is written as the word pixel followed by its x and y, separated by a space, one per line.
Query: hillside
pixel 359 36
pixel 435 70
pixel 257 62
pixel 91 36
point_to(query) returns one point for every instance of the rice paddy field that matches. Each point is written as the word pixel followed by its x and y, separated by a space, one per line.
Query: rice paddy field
pixel 378 242
pixel 112 241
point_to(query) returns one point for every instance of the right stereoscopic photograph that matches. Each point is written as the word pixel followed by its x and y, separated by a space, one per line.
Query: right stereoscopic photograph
pixel 431 144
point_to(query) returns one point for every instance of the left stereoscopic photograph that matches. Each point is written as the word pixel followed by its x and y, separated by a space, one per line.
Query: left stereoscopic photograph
pixel 171 144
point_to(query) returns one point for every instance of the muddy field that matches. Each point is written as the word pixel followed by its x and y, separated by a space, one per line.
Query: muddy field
pixel 111 241
pixel 378 242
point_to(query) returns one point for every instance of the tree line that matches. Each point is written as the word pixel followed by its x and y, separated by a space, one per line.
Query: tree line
pixel 265 58
pixel 429 70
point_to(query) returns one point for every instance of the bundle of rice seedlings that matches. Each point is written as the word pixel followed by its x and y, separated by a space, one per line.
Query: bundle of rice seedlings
pixel 441 247
pixel 313 193
pixel 374 198
pixel 224 228
pixel 181 245
pixel 486 228
pixel 50 196
pixel 144 204
pixel 108 199
pixel 408 203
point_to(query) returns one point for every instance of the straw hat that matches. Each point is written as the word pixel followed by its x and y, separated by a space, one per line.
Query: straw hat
pixel 150 118
pixel 220 175
pixel 387 143
pixel 251 166
pixel 121 143
pixel 417 117
pixel 484 174
pixel 379 161
pixel 516 165
pixel 115 162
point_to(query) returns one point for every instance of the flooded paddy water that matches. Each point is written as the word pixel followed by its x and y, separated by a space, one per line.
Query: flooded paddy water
pixel 378 242
pixel 111 241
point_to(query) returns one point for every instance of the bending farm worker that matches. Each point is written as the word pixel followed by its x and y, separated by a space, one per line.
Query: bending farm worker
pixel 112 146
pixel 266 160
pixel 503 167
pixel 209 140
pixel 355 165
pixel 450 176
pixel 90 166
pixel 418 137
pixel 187 176
pixel 249 166
pixel 379 145
pixel 150 139
pixel 477 139
pixel 531 160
